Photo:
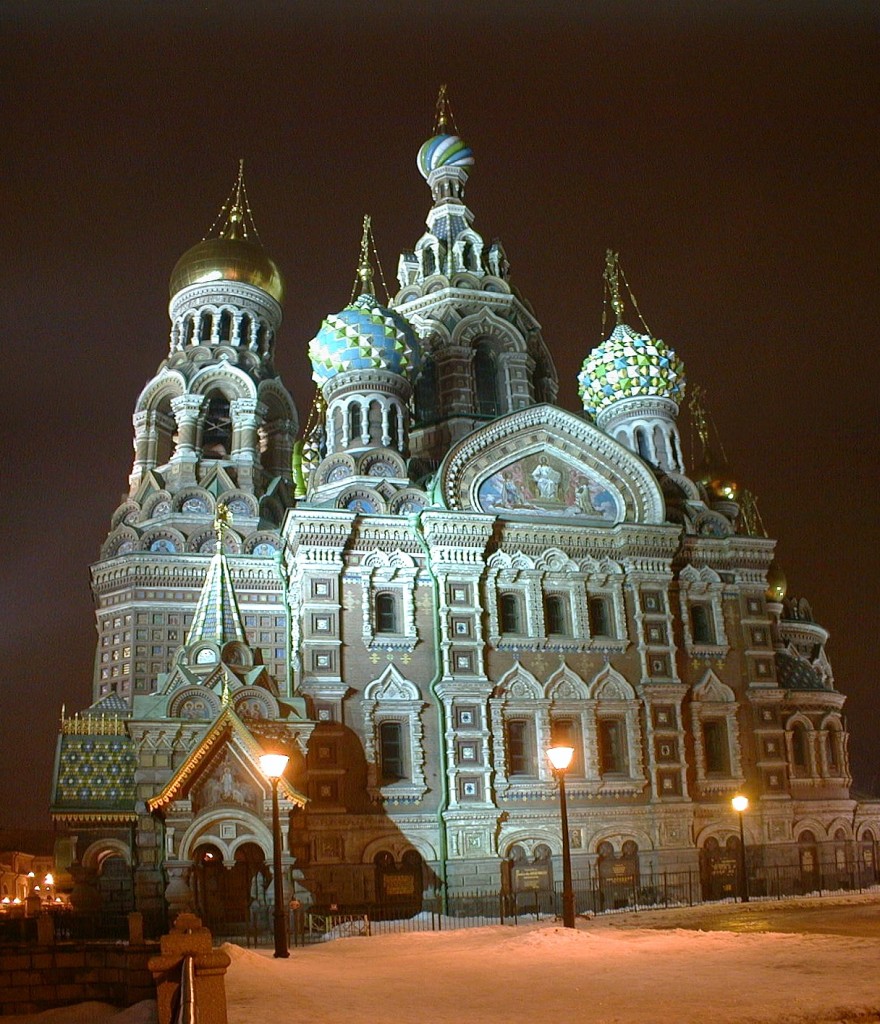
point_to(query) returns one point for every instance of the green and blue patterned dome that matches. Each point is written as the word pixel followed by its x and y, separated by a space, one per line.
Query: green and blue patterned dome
pixel 629 365
pixel 363 336
pixel 444 151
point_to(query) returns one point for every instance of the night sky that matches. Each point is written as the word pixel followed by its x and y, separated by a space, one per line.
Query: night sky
pixel 728 150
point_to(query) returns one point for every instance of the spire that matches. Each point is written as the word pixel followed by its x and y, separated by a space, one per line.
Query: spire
pixel 443 118
pixel 235 219
pixel 612 283
pixel 217 616
pixel 365 268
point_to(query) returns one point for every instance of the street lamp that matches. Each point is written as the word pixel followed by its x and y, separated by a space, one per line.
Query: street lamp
pixel 740 804
pixel 273 766
pixel 560 759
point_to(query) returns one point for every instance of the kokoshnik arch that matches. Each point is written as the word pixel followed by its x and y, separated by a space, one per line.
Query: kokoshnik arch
pixel 441 575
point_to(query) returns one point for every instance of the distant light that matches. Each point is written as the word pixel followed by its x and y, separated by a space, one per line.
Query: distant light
pixel 50 880
pixel 273 765
pixel 740 803
pixel 560 757
pixel 16 900
pixel 30 874
pixel 6 899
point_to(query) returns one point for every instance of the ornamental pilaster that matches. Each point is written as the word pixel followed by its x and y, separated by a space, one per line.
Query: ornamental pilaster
pixel 187 409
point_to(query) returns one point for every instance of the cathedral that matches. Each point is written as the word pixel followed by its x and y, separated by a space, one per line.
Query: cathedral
pixel 414 595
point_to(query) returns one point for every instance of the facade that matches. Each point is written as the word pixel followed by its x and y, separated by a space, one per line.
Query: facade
pixel 443 576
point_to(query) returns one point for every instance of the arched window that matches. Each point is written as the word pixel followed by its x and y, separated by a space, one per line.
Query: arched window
pixel 510 618
pixel 354 421
pixel 188 331
pixel 217 429
pixel 394 427
pixel 206 323
pixel 386 613
pixel 244 330
pixel 225 332
pixel 392 762
pixel 642 444
pixel 554 614
pixel 425 397
pixel 486 380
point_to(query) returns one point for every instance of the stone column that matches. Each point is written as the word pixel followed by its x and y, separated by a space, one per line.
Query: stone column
pixel 178 894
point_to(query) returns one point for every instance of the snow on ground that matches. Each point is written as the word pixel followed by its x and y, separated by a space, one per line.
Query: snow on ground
pixel 619 969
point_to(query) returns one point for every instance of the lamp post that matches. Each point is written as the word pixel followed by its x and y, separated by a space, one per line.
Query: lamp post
pixel 560 759
pixel 740 804
pixel 273 766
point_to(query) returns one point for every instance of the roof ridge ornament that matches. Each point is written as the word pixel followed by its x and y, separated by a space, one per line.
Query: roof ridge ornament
pixel 612 276
pixel 235 219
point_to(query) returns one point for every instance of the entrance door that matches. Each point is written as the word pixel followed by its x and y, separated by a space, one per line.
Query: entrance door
pixel 223 895
pixel 719 869
pixel 399 886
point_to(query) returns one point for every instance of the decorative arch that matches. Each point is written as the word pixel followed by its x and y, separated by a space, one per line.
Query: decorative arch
pixel 232 382
pixel 392 709
pixel 201 832
pixel 398 845
pixel 711 689
pixel 565 684
pixel 101 850
pixel 391 685
pixel 518 683
pixel 609 684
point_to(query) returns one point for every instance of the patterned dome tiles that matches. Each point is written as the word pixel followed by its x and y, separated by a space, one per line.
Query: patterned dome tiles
pixel 444 151
pixel 363 336
pixel 629 365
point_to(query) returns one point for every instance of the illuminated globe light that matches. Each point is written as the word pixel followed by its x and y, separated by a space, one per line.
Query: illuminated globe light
pixel 444 151
pixel 777 584
pixel 740 803
pixel 363 336
pixel 629 365
pixel 560 757
pixel 273 765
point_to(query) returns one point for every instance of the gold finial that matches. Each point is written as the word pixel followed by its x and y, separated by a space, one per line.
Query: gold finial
pixel 235 219
pixel 752 523
pixel 222 522
pixel 698 414
pixel 224 694
pixel 365 268
pixel 443 114
pixel 612 283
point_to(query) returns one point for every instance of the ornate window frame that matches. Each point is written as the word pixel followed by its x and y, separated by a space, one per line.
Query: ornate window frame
pixel 702 586
pixel 612 697
pixel 393 698
pixel 393 574
pixel 712 700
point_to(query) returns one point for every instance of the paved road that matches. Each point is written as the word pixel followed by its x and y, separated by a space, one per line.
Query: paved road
pixel 858 917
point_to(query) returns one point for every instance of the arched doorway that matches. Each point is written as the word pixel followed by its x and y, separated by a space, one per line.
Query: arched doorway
pixel 618 875
pixel 399 886
pixel 808 856
pixel 223 895
pixel 719 868
pixel 868 859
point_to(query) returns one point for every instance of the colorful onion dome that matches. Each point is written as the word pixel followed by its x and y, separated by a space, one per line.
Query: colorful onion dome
pixel 629 365
pixel 363 336
pixel 797 674
pixel 444 151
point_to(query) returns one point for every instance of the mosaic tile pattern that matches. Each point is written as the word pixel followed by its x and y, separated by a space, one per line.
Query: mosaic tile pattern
pixel 629 365
pixel 795 674
pixel 363 336
pixel 96 772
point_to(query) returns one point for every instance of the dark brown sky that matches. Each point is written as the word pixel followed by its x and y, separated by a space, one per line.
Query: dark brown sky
pixel 728 150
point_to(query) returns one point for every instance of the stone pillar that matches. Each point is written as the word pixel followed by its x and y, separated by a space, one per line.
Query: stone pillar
pixel 188 938
pixel 187 409
pixel 178 894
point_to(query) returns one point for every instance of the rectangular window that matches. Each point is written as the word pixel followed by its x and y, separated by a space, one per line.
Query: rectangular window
pixel 715 747
pixel 554 613
pixel 520 758
pixel 391 751
pixel 702 627
pixel 510 618
pixel 600 616
pixel 564 732
pixel 612 746
pixel 386 613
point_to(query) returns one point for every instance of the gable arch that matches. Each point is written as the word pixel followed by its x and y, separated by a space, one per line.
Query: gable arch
pixel 485 325
pixel 618 485
pixel 609 684
pixel 391 685
pixel 229 380
pixel 566 684
pixel 520 683
pixel 710 689
pixel 161 389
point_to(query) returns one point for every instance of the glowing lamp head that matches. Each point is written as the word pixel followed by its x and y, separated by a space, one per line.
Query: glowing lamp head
pixel 560 757
pixel 50 879
pixel 740 803
pixel 273 765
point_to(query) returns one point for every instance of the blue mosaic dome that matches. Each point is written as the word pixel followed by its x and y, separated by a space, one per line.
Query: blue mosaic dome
pixel 629 365
pixel 363 336
pixel 796 674
pixel 444 151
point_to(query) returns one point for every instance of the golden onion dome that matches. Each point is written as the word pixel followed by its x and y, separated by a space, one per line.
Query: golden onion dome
pixel 777 584
pixel 231 256
pixel 717 479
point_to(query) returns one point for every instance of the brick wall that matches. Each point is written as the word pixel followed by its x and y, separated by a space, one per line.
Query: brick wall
pixel 35 978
